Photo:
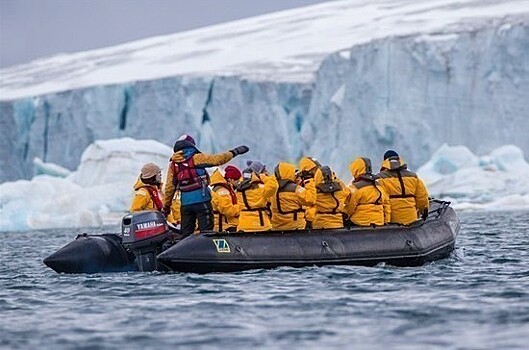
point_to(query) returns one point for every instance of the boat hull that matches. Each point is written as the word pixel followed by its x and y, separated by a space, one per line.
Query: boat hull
pixel 393 244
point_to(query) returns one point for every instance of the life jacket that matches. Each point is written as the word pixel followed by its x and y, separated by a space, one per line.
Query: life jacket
pixel 222 218
pixel 329 186
pixel 155 196
pixel 186 177
pixel 286 186
pixel 368 179
pixel 399 168
pixel 245 185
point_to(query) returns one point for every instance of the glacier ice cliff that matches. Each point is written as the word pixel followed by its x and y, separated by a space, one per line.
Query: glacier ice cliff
pixel 458 82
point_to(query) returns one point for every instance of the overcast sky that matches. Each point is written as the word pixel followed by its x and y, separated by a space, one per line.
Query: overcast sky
pixel 30 29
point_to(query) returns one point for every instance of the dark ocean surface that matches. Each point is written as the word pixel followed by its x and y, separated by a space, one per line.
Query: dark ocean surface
pixel 477 299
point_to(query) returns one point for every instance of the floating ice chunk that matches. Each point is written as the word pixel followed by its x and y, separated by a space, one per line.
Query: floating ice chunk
pixel 509 158
pixel 498 181
pixel 43 168
pixel 99 192
pixel 118 160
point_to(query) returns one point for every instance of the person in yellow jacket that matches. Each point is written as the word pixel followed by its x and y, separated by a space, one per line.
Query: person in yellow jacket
pixel 187 174
pixel 307 169
pixel 174 216
pixel 253 195
pixel 368 203
pixel 407 194
pixel 224 199
pixel 147 187
pixel 330 199
pixel 290 199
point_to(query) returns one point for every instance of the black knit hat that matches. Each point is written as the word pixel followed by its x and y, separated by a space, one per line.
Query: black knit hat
pixel 390 153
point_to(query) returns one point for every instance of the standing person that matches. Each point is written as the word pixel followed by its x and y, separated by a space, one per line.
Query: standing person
pixel 147 187
pixel 288 204
pixel 253 195
pixel 369 202
pixel 224 199
pixel 187 173
pixel 407 194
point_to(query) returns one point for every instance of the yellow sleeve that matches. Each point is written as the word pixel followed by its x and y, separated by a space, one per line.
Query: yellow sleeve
pixel 351 203
pixel 169 188
pixel 270 186
pixel 175 216
pixel 208 160
pixel 421 196
pixel 307 194
pixel 224 204
pixel 386 205
pixel 140 201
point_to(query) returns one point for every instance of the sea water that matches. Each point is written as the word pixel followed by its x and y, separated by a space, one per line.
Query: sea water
pixel 476 299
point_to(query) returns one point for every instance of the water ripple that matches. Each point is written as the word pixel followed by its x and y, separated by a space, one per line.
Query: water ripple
pixel 478 298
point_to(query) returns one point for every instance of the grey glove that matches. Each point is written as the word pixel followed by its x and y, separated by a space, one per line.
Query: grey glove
pixel 239 150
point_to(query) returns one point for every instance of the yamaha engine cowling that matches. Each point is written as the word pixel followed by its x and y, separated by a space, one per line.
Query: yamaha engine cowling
pixel 144 233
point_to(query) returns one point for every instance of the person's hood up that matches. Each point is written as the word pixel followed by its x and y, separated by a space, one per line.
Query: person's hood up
pixel 308 164
pixel 285 172
pixel 360 166
pixel 393 163
pixel 216 178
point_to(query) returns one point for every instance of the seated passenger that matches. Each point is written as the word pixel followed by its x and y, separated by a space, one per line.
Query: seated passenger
pixel 224 200
pixel 147 187
pixel 307 169
pixel 330 199
pixel 368 203
pixel 253 195
pixel 407 194
pixel 287 205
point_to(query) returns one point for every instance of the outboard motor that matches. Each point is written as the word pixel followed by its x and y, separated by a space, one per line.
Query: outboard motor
pixel 144 233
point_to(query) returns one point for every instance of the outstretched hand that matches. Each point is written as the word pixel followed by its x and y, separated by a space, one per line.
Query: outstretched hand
pixel 239 150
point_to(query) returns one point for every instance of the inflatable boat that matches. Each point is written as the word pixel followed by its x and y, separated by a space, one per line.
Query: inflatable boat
pixel 145 244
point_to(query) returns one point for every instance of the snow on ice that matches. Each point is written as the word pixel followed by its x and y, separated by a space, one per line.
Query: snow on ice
pixel 498 181
pixel 98 192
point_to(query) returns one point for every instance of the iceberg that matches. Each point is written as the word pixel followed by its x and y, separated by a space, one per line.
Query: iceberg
pixel 97 193
pixel 497 181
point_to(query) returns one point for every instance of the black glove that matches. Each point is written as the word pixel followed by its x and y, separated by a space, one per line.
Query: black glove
pixel 166 211
pixel 424 215
pixel 239 150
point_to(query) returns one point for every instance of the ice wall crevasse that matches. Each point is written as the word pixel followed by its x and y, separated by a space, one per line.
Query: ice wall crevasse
pixel 415 93
pixel 411 93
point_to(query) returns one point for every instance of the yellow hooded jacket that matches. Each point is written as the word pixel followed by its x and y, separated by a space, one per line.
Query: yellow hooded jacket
pixel 329 206
pixel 368 203
pixel 254 202
pixel 407 194
pixel 226 212
pixel 307 168
pixel 200 160
pixel 142 199
pixel 288 203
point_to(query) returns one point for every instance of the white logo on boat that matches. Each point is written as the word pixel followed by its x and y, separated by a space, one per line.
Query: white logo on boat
pixel 222 246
